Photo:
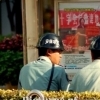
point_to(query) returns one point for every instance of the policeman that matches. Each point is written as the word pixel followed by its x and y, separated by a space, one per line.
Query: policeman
pixel 88 78
pixel 45 73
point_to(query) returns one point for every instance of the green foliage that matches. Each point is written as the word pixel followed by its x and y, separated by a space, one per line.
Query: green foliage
pixel 48 95
pixel 10 65
pixel 3 37
pixel 11 58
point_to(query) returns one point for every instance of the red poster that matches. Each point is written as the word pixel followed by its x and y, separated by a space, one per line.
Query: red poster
pixel 78 27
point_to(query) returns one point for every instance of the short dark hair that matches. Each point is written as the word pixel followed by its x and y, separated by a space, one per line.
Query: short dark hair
pixel 95 54
pixel 43 51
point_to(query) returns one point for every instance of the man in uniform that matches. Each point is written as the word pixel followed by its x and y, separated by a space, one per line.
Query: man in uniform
pixel 45 73
pixel 88 78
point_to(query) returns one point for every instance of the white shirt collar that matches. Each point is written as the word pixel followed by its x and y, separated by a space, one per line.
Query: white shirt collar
pixel 45 58
pixel 96 60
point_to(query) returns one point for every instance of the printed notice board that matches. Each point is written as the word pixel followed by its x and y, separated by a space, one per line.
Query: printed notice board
pixel 78 23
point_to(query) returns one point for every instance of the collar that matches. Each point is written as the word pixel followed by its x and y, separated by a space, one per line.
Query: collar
pixel 96 60
pixel 45 58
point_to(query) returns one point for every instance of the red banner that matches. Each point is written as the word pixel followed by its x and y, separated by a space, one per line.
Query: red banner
pixel 69 19
pixel 77 28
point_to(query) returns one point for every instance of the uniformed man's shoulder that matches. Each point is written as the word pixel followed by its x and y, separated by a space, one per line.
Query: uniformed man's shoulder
pixel 59 67
pixel 26 66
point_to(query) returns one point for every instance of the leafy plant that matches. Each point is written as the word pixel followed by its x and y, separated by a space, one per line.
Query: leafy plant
pixel 5 36
pixel 11 59
pixel 10 65
pixel 48 95
pixel 13 43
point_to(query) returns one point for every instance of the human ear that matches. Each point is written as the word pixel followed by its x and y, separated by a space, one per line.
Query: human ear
pixel 49 52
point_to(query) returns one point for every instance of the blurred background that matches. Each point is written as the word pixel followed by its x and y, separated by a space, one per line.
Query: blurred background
pixel 11 37
pixel 11 16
